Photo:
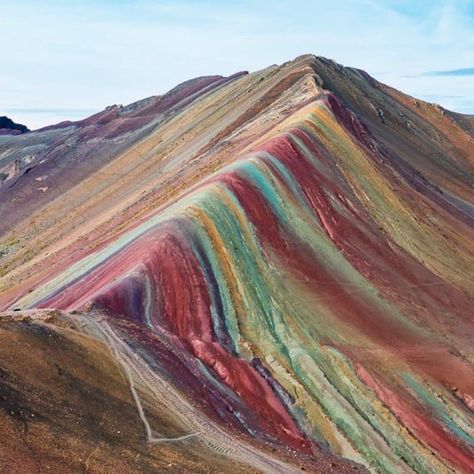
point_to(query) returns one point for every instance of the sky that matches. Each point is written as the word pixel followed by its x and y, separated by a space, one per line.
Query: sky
pixel 64 60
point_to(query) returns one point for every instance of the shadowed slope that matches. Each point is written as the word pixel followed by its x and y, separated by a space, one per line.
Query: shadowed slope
pixel 9 127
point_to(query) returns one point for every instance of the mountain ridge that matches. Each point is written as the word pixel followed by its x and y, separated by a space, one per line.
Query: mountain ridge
pixel 8 126
pixel 298 238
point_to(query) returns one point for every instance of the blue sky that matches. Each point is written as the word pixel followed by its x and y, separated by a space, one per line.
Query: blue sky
pixel 64 60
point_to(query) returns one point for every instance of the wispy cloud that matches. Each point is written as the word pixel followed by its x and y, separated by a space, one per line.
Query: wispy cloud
pixel 468 71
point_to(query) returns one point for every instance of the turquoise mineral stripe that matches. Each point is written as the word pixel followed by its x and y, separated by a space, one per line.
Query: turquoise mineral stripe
pixel 231 321
pixel 291 182
pixel 347 420
pixel 250 268
pixel 325 250
pixel 439 409
pixel 360 397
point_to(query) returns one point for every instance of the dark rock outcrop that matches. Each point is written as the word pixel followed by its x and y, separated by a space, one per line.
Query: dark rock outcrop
pixel 9 127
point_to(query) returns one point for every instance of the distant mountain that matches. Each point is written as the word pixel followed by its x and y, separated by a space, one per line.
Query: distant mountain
pixel 9 127
pixel 268 272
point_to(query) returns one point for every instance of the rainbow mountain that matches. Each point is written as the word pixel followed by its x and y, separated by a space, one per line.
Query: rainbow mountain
pixel 267 272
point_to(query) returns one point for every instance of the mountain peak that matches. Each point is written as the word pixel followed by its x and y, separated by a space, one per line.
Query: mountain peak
pixel 9 127
pixel 276 265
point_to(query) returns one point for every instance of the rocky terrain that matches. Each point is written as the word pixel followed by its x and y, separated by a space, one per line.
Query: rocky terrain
pixel 9 127
pixel 269 272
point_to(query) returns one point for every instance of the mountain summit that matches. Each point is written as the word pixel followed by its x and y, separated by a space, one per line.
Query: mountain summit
pixel 267 272
pixel 8 126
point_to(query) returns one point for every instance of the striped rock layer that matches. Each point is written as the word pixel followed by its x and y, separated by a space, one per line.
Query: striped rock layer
pixel 288 253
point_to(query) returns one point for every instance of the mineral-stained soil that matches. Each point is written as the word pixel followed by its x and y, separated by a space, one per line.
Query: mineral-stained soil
pixel 265 272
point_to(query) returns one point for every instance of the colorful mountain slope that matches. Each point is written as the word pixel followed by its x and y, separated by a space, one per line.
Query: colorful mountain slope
pixel 284 261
